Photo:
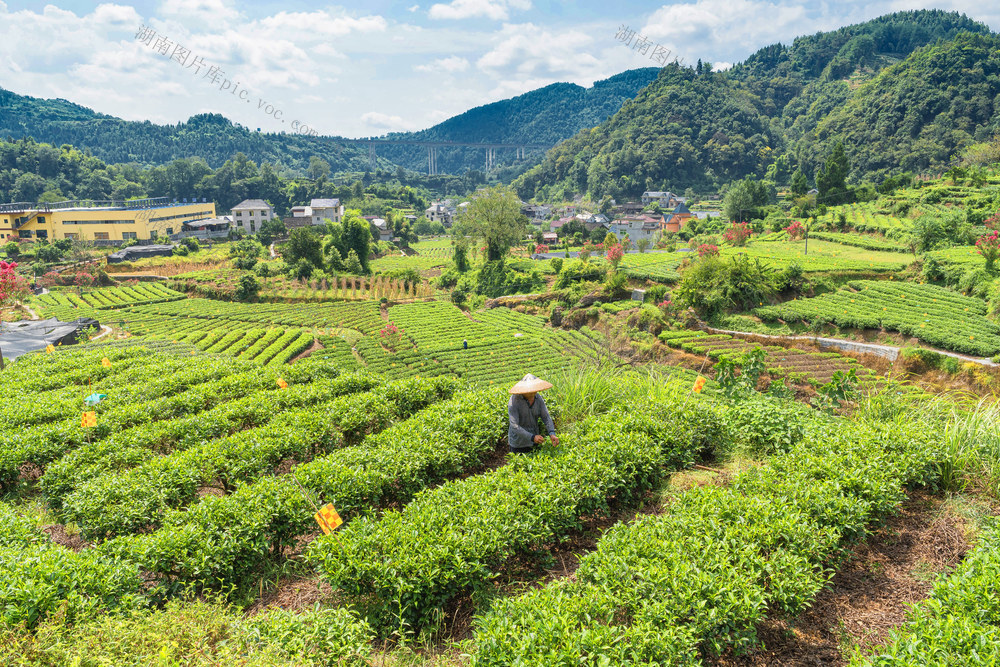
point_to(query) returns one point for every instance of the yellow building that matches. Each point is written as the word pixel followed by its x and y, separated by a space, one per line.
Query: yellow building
pixel 103 222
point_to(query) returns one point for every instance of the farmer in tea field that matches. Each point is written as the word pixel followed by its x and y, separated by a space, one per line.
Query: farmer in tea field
pixel 525 410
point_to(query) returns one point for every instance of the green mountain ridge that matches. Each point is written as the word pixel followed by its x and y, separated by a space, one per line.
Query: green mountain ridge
pixel 693 127
pixel 538 117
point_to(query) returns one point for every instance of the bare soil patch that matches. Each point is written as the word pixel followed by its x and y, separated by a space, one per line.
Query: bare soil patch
pixel 871 593
pixel 57 533
pixel 299 594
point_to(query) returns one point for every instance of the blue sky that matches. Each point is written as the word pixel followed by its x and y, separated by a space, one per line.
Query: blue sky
pixel 362 69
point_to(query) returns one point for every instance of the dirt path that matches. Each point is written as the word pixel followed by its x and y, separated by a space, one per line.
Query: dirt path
pixel 870 594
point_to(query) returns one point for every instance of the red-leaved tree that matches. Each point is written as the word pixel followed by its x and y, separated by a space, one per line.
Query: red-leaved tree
pixel 12 289
pixel 615 254
pixel 796 230
pixel 738 234
pixel 988 246
pixel 708 250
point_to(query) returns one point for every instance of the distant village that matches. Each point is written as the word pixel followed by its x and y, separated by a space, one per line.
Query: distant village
pixel 143 221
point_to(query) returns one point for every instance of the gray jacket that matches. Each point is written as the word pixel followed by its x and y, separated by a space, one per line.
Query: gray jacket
pixel 524 420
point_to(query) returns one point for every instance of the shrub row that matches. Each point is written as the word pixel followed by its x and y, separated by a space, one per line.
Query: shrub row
pixel 696 581
pixel 959 624
pixel 115 504
pixel 222 540
pixel 455 539
pixel 134 446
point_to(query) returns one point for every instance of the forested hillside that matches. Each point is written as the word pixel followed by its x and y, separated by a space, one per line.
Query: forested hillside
pixel 543 116
pixel 31 171
pixel 694 127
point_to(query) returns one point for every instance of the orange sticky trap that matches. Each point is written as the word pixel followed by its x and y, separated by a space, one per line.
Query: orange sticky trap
pixel 88 420
pixel 49 349
pixel 282 384
pixel 699 384
pixel 106 362
pixel 328 519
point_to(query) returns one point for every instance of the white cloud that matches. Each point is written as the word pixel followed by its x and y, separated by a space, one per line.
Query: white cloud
pixel 205 14
pixel 413 8
pixel 449 65
pixel 498 10
pixel 729 26
pixel 534 52
pixel 383 122
pixel 721 66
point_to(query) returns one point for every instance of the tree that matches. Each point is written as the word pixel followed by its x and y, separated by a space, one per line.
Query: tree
pixel 831 181
pixel 304 244
pixel 352 264
pixel 318 168
pixel 495 217
pixel 607 205
pixel 744 199
pixel 800 184
pixel 247 289
pixel 642 244
pixel 461 255
pixel 270 229
pixel 356 237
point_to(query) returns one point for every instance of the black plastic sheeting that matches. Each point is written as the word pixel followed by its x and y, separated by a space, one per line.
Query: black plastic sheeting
pixel 17 338
pixel 135 252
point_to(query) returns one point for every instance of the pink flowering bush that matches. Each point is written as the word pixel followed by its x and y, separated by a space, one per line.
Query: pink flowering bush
pixel 12 286
pixel 708 250
pixel 391 336
pixel 738 234
pixel 988 245
pixel 615 254
pixel 796 230
pixel 541 248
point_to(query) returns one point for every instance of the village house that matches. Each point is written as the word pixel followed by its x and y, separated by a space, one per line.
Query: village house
pixel 441 211
pixel 636 227
pixel 674 221
pixel 664 199
pixel 250 213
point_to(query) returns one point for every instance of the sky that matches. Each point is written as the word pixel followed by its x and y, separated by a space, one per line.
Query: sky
pixel 364 69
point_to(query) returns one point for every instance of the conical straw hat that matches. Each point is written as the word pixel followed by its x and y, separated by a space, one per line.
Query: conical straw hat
pixel 529 384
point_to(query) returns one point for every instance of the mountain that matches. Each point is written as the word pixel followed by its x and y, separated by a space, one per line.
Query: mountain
pixel 784 106
pixel 543 116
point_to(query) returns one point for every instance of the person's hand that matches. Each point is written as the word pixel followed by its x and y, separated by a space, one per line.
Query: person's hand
pixel 554 439
pixel 538 439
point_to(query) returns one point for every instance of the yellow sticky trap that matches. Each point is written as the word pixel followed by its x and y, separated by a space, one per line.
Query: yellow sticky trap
pixel 106 362
pixel 49 349
pixel 699 384
pixel 282 384
pixel 88 420
pixel 328 519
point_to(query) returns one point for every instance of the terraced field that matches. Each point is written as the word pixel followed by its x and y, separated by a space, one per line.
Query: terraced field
pixel 797 365
pixel 934 315
pixel 202 475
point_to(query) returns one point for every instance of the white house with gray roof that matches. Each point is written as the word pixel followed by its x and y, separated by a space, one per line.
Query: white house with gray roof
pixel 250 213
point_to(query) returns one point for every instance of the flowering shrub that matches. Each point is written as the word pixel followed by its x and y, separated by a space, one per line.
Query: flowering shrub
pixel 988 245
pixel 586 251
pixel 738 234
pixel 12 286
pixel 83 279
pixel 50 279
pixel 796 230
pixel 391 336
pixel 615 254
pixel 708 250
pixel 541 248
